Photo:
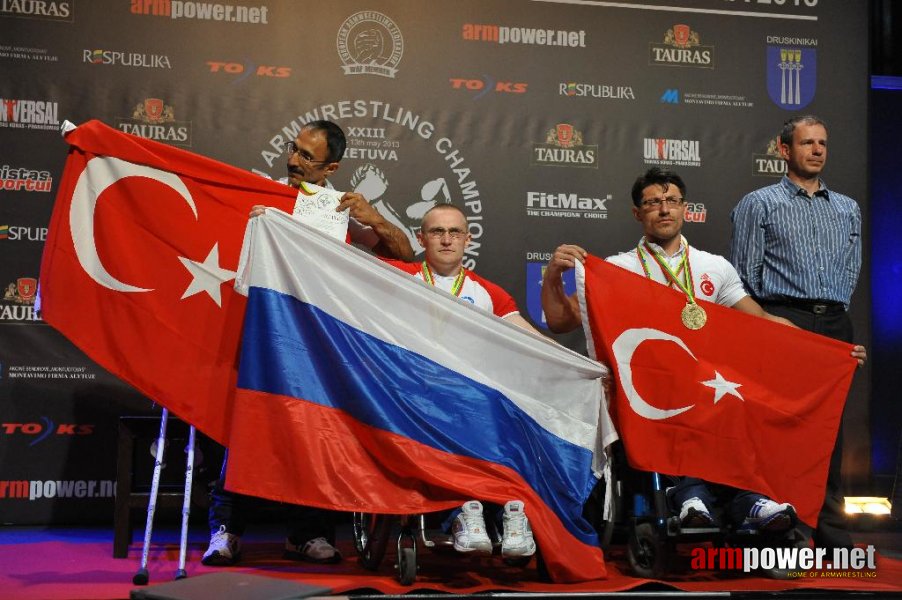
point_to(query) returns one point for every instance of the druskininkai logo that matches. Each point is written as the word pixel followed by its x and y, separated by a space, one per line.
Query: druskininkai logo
pixel 791 76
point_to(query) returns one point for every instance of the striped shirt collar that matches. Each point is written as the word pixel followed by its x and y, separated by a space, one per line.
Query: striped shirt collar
pixel 795 190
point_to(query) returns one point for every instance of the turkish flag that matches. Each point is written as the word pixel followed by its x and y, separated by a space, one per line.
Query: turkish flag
pixel 742 401
pixel 138 266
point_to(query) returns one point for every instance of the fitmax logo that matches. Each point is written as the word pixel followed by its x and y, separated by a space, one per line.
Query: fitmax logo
pixel 671 96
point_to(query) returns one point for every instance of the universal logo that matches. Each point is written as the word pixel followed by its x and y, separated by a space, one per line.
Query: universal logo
pixel 681 48
pixel 369 43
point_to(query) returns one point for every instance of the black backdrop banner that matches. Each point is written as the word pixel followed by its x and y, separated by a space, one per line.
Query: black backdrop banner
pixel 534 117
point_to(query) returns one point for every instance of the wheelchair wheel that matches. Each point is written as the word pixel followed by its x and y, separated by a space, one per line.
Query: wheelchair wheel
pixel 407 557
pixel 648 555
pixel 370 538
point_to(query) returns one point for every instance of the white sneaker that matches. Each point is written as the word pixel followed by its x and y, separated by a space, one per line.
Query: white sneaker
pixel 224 548
pixel 469 531
pixel 767 515
pixel 694 513
pixel 516 539
pixel 317 550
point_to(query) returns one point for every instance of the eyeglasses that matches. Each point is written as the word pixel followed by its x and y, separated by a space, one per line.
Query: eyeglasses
pixel 669 202
pixel 439 232
pixel 290 148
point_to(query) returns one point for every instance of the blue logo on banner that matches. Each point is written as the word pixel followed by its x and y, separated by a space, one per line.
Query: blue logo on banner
pixel 671 96
pixel 791 76
pixel 534 273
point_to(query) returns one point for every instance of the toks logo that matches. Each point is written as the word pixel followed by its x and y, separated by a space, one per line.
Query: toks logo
pixel 248 69
pixel 46 428
pixel 681 48
pixel 154 120
pixel 564 147
pixel 488 84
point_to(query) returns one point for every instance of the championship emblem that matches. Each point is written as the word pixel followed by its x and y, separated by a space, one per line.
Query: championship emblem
pixel 791 76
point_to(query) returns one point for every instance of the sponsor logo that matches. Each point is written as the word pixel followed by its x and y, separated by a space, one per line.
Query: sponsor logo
pixel 667 152
pixel 378 128
pixel 536 264
pixel 671 96
pixel 792 73
pixel 201 11
pixel 48 10
pixel 155 120
pixel 126 59
pixel 695 212
pixel 23 234
pixel 798 561
pixel 369 43
pixel 706 285
pixel 18 300
pixel 488 85
pixel 770 164
pixel 49 372
pixel 28 114
pixel 24 180
pixel 681 48
pixel 27 53
pixel 38 432
pixel 530 36
pixel 602 91
pixel 567 206
pixel 72 488
pixel 242 71
pixel 564 147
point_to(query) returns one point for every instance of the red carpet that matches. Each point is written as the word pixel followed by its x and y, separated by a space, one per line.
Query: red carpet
pixel 79 565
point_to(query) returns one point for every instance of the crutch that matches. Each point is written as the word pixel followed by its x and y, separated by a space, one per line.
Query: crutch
pixel 142 576
pixel 186 505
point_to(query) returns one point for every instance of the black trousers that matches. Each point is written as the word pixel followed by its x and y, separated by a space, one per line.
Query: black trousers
pixel 832 530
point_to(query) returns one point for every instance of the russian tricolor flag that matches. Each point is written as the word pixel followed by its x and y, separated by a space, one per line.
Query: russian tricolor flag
pixel 361 388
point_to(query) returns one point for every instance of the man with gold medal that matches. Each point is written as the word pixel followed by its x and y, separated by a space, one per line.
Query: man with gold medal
pixel 664 255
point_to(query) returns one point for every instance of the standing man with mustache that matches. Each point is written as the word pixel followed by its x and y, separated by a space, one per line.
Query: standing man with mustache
pixel 797 247
pixel 312 157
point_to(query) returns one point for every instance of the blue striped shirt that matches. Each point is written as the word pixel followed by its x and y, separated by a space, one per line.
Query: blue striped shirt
pixel 789 244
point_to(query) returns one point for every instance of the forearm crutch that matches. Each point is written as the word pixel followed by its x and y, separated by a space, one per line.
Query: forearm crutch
pixel 186 505
pixel 142 576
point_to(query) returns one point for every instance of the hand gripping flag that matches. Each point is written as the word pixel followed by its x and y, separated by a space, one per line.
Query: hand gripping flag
pixel 742 401
pixel 363 389
pixel 143 244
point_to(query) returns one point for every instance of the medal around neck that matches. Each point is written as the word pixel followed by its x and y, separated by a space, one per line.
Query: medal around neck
pixel 693 316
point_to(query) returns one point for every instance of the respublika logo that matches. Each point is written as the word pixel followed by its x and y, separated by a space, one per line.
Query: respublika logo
pixel 536 264
pixel 564 147
pixel 369 43
pixel 771 163
pixel 530 36
pixel 681 48
pixel 126 59
pixel 240 72
pixel 20 179
pixel 28 114
pixel 566 205
pixel 791 71
pixel 47 10
pixel 668 152
pixel 602 91
pixel 16 233
pixel 383 130
pixel 695 212
pixel 155 120
pixel 488 85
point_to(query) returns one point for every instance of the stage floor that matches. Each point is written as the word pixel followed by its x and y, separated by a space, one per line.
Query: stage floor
pixel 76 563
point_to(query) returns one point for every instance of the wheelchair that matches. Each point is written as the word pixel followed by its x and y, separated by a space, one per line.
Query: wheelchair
pixel 373 533
pixel 639 515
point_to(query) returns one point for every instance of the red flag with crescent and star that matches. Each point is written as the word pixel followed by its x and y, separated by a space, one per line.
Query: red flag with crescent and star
pixel 137 270
pixel 742 401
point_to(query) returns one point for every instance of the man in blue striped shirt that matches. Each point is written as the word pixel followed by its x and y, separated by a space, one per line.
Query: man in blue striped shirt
pixel 797 247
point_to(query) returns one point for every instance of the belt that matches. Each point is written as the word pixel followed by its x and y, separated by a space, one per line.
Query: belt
pixel 818 307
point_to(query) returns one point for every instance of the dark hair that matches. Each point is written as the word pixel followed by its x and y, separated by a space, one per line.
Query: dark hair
pixel 656 176
pixel 789 127
pixel 335 138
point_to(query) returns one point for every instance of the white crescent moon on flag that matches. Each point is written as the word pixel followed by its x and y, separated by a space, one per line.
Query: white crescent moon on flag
pixel 100 173
pixel 624 347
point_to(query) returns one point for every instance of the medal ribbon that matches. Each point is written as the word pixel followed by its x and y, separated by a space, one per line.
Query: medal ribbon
pixel 455 287
pixel 686 285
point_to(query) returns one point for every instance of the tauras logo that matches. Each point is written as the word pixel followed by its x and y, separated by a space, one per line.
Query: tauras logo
pixel 38 9
pixel 564 147
pixel 155 120
pixel 126 59
pixel 770 163
pixel 681 48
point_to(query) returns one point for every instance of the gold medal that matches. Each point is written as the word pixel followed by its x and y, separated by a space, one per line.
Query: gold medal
pixel 693 316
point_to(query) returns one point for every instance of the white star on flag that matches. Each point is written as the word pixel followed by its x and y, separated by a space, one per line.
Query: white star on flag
pixel 208 276
pixel 722 387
